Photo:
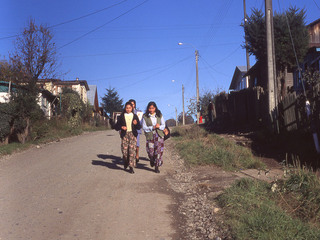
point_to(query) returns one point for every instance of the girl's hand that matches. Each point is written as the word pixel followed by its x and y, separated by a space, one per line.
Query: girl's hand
pixel 157 125
pixel 124 128
pixel 134 122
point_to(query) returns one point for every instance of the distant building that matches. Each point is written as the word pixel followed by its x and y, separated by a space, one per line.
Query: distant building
pixel 46 100
pixel 55 86
pixel 6 88
pixel 312 60
pixel 93 100
pixel 48 103
pixel 239 80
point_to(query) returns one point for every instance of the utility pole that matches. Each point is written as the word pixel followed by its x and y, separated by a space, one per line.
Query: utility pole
pixel 246 41
pixel 270 57
pixel 198 104
pixel 176 117
pixel 183 117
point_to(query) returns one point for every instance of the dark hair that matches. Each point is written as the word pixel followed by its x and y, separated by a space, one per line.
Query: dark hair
pixel 158 113
pixel 132 100
pixel 127 103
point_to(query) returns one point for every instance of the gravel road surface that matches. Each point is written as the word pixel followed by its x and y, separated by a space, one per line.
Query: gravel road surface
pixel 77 189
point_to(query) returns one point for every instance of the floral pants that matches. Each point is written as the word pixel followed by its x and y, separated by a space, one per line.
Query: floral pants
pixel 155 149
pixel 128 148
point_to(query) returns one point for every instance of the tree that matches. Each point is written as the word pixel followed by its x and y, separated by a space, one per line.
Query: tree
pixel 34 54
pixel 187 117
pixel 255 33
pixel 72 107
pixel 204 99
pixel 171 122
pixel 311 77
pixel 111 102
pixel 33 57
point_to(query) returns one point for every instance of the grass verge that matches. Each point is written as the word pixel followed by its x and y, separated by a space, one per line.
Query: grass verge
pixel 13 147
pixel 254 211
pixel 198 147
pixel 48 131
pixel 286 209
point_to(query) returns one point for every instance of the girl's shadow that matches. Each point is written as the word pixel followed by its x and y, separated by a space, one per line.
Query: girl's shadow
pixel 117 162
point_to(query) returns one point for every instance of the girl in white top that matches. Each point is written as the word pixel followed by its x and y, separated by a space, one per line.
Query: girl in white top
pixel 153 125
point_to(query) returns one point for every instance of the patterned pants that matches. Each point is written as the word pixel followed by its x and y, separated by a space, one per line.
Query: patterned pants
pixel 155 149
pixel 128 148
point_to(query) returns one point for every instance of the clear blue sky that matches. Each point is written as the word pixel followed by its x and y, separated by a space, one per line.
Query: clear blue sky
pixel 135 48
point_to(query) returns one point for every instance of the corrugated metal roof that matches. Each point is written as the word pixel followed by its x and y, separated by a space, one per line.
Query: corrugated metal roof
pixel 239 72
pixel 4 86
pixel 91 93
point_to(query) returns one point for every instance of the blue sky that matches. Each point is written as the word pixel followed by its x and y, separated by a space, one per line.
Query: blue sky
pixel 133 46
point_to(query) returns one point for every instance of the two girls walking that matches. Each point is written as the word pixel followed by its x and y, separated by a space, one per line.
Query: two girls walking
pixel 153 125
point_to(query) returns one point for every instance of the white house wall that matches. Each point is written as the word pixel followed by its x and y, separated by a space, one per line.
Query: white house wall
pixel 4 97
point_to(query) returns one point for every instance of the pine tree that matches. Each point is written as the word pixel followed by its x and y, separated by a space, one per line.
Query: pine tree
pixel 255 32
pixel 111 102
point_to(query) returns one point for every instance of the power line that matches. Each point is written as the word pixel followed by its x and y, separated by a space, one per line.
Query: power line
pixel 213 68
pixel 221 14
pixel 226 57
pixel 145 51
pixel 293 48
pixel 316 4
pixel 74 19
pixel 142 80
pixel 131 74
pixel 87 15
pixel 101 26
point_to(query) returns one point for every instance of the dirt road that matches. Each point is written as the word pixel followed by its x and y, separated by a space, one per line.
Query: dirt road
pixel 77 189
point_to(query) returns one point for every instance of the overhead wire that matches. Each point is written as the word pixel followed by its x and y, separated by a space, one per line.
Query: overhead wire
pixel 132 52
pixel 294 49
pixel 316 4
pixel 212 30
pixel 228 56
pixel 74 19
pixel 142 80
pixel 132 74
pixel 87 15
pixel 101 26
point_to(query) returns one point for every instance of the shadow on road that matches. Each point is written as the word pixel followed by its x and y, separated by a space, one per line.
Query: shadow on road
pixel 117 162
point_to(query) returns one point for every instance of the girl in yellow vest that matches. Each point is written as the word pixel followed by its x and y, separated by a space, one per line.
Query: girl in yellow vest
pixel 153 125
pixel 129 124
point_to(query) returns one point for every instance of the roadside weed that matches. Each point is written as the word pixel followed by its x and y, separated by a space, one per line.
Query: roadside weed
pixel 197 147
pixel 253 213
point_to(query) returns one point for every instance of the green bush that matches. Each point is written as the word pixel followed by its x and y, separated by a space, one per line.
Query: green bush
pixel 71 108
pixel 6 117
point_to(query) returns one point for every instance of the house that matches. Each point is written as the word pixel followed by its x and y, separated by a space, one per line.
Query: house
pixel 5 91
pixel 239 80
pixel 46 100
pixel 93 100
pixel 48 103
pixel 312 60
pixel 257 76
pixel 55 86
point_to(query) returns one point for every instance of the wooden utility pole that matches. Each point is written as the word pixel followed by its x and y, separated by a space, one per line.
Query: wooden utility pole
pixel 270 57
pixel 176 117
pixel 246 41
pixel 197 75
pixel 183 117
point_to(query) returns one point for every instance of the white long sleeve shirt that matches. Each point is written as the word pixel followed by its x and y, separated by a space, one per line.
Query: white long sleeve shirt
pixel 154 122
